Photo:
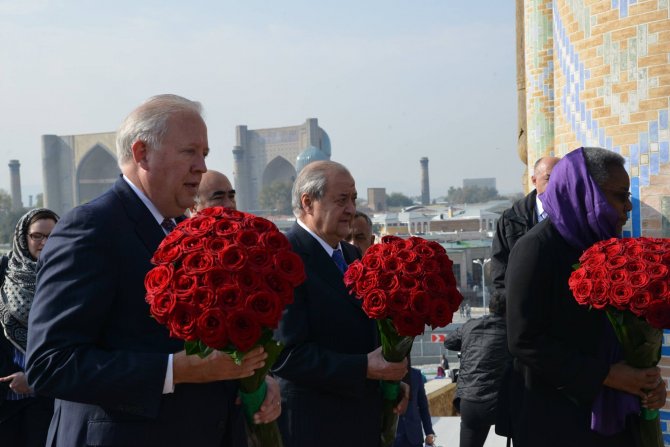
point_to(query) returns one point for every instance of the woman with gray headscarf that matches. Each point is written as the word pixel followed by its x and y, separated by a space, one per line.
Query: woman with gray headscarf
pixel 24 417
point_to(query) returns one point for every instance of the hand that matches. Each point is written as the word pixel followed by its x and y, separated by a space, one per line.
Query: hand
pixel 17 383
pixel 216 366
pixel 404 399
pixel 655 398
pixel 430 439
pixel 380 369
pixel 271 407
pixel 633 380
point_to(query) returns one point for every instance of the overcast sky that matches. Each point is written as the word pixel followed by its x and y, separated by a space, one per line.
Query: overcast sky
pixel 390 81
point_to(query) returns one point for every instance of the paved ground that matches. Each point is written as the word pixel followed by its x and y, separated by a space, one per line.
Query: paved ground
pixel 447 430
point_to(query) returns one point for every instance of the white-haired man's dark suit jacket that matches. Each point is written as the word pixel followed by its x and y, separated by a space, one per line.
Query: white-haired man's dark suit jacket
pixel 93 345
pixel 327 400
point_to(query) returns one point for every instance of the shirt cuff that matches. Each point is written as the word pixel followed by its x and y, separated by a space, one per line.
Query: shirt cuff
pixel 168 386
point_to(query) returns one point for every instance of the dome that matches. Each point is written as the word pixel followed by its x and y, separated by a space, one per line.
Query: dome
pixel 309 155
pixel 325 143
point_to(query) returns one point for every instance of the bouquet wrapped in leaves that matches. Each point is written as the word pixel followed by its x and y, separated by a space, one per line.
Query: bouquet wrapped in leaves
pixel 221 281
pixel 405 285
pixel 629 279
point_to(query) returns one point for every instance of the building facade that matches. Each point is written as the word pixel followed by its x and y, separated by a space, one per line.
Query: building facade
pixel 265 156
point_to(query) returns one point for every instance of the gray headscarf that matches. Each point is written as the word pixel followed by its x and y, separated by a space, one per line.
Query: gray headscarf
pixel 18 287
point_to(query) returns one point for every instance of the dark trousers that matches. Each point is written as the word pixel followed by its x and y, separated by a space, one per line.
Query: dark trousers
pixel 25 422
pixel 476 421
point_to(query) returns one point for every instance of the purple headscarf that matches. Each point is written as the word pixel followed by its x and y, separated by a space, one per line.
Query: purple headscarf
pixel 576 205
pixel 582 215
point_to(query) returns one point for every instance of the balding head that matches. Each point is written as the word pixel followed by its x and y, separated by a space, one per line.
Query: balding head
pixel 215 190
pixel 542 171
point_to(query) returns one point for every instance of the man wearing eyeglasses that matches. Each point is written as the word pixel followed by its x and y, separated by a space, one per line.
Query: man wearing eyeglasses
pixel 215 190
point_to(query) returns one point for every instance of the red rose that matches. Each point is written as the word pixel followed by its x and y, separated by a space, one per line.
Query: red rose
pixel 217 276
pixel 430 266
pixel 614 249
pixel 615 262
pixel 183 322
pixel 375 304
pixel 279 286
pixel 621 295
pixel 658 315
pixel 158 278
pixel 658 288
pixel 408 324
pixel 582 291
pixel 353 274
pixel 366 284
pixel 233 258
pixel 440 313
pixel 599 294
pixel 246 238
pixel 390 239
pixel 173 237
pixel 198 225
pixel 215 245
pixel 234 215
pixel 397 301
pixel 575 277
pixel 407 256
pixel 599 272
pixel 593 260
pixel 213 211
pixel 455 298
pixel 657 271
pixel 436 247
pixel 166 254
pixel 184 285
pixel 247 280
pixel 211 326
pixel 260 225
pixel 226 228
pixel 192 243
pixel 388 282
pixel 618 276
pixel 274 241
pixel 393 265
pixel 205 298
pixel 408 283
pixel 639 279
pixel 230 297
pixel 640 302
pixel 243 330
pixel 290 266
pixel 161 305
pixel 266 306
pixel 197 263
pixel 412 268
pixel 372 262
pixel 634 250
pixel 419 302
pixel 424 251
pixel 652 258
pixel 635 266
pixel 259 259
pixel 434 283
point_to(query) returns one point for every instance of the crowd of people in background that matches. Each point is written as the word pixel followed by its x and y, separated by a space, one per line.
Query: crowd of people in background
pixel 81 363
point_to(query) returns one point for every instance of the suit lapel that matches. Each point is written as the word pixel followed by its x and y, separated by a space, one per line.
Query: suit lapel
pixel 317 262
pixel 150 233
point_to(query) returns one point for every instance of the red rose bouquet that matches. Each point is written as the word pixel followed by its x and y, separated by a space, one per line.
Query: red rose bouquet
pixel 405 285
pixel 630 279
pixel 221 281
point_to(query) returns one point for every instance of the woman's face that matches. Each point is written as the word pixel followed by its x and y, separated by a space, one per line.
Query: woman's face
pixel 38 232
pixel 616 191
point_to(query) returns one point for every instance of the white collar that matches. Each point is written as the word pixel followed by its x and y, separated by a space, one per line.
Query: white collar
pixel 323 243
pixel 147 202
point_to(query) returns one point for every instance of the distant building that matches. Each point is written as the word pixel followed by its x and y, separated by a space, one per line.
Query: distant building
pixel 264 156
pixel 479 182
pixel 377 199
pixel 77 168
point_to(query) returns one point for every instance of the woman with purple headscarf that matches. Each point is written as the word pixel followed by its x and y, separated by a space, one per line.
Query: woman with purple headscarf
pixel 569 386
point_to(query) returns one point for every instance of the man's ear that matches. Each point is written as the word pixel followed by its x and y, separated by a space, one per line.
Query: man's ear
pixel 140 154
pixel 306 203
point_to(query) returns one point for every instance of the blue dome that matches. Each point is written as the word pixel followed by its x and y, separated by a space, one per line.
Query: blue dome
pixel 309 155
pixel 325 143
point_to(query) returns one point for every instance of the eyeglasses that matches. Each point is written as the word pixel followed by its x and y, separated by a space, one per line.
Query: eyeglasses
pixel 39 237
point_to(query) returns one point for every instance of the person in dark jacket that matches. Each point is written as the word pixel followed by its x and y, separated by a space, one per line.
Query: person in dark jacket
pixel 416 420
pixel 483 345
pixel 517 220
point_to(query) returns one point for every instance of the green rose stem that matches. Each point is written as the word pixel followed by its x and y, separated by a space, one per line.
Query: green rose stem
pixel 252 390
pixel 641 344
pixel 394 349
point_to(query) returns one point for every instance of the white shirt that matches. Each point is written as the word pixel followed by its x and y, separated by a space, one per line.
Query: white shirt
pixel 168 385
pixel 323 243
pixel 539 209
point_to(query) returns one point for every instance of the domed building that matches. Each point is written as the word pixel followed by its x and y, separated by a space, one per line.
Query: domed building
pixel 309 155
pixel 265 156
